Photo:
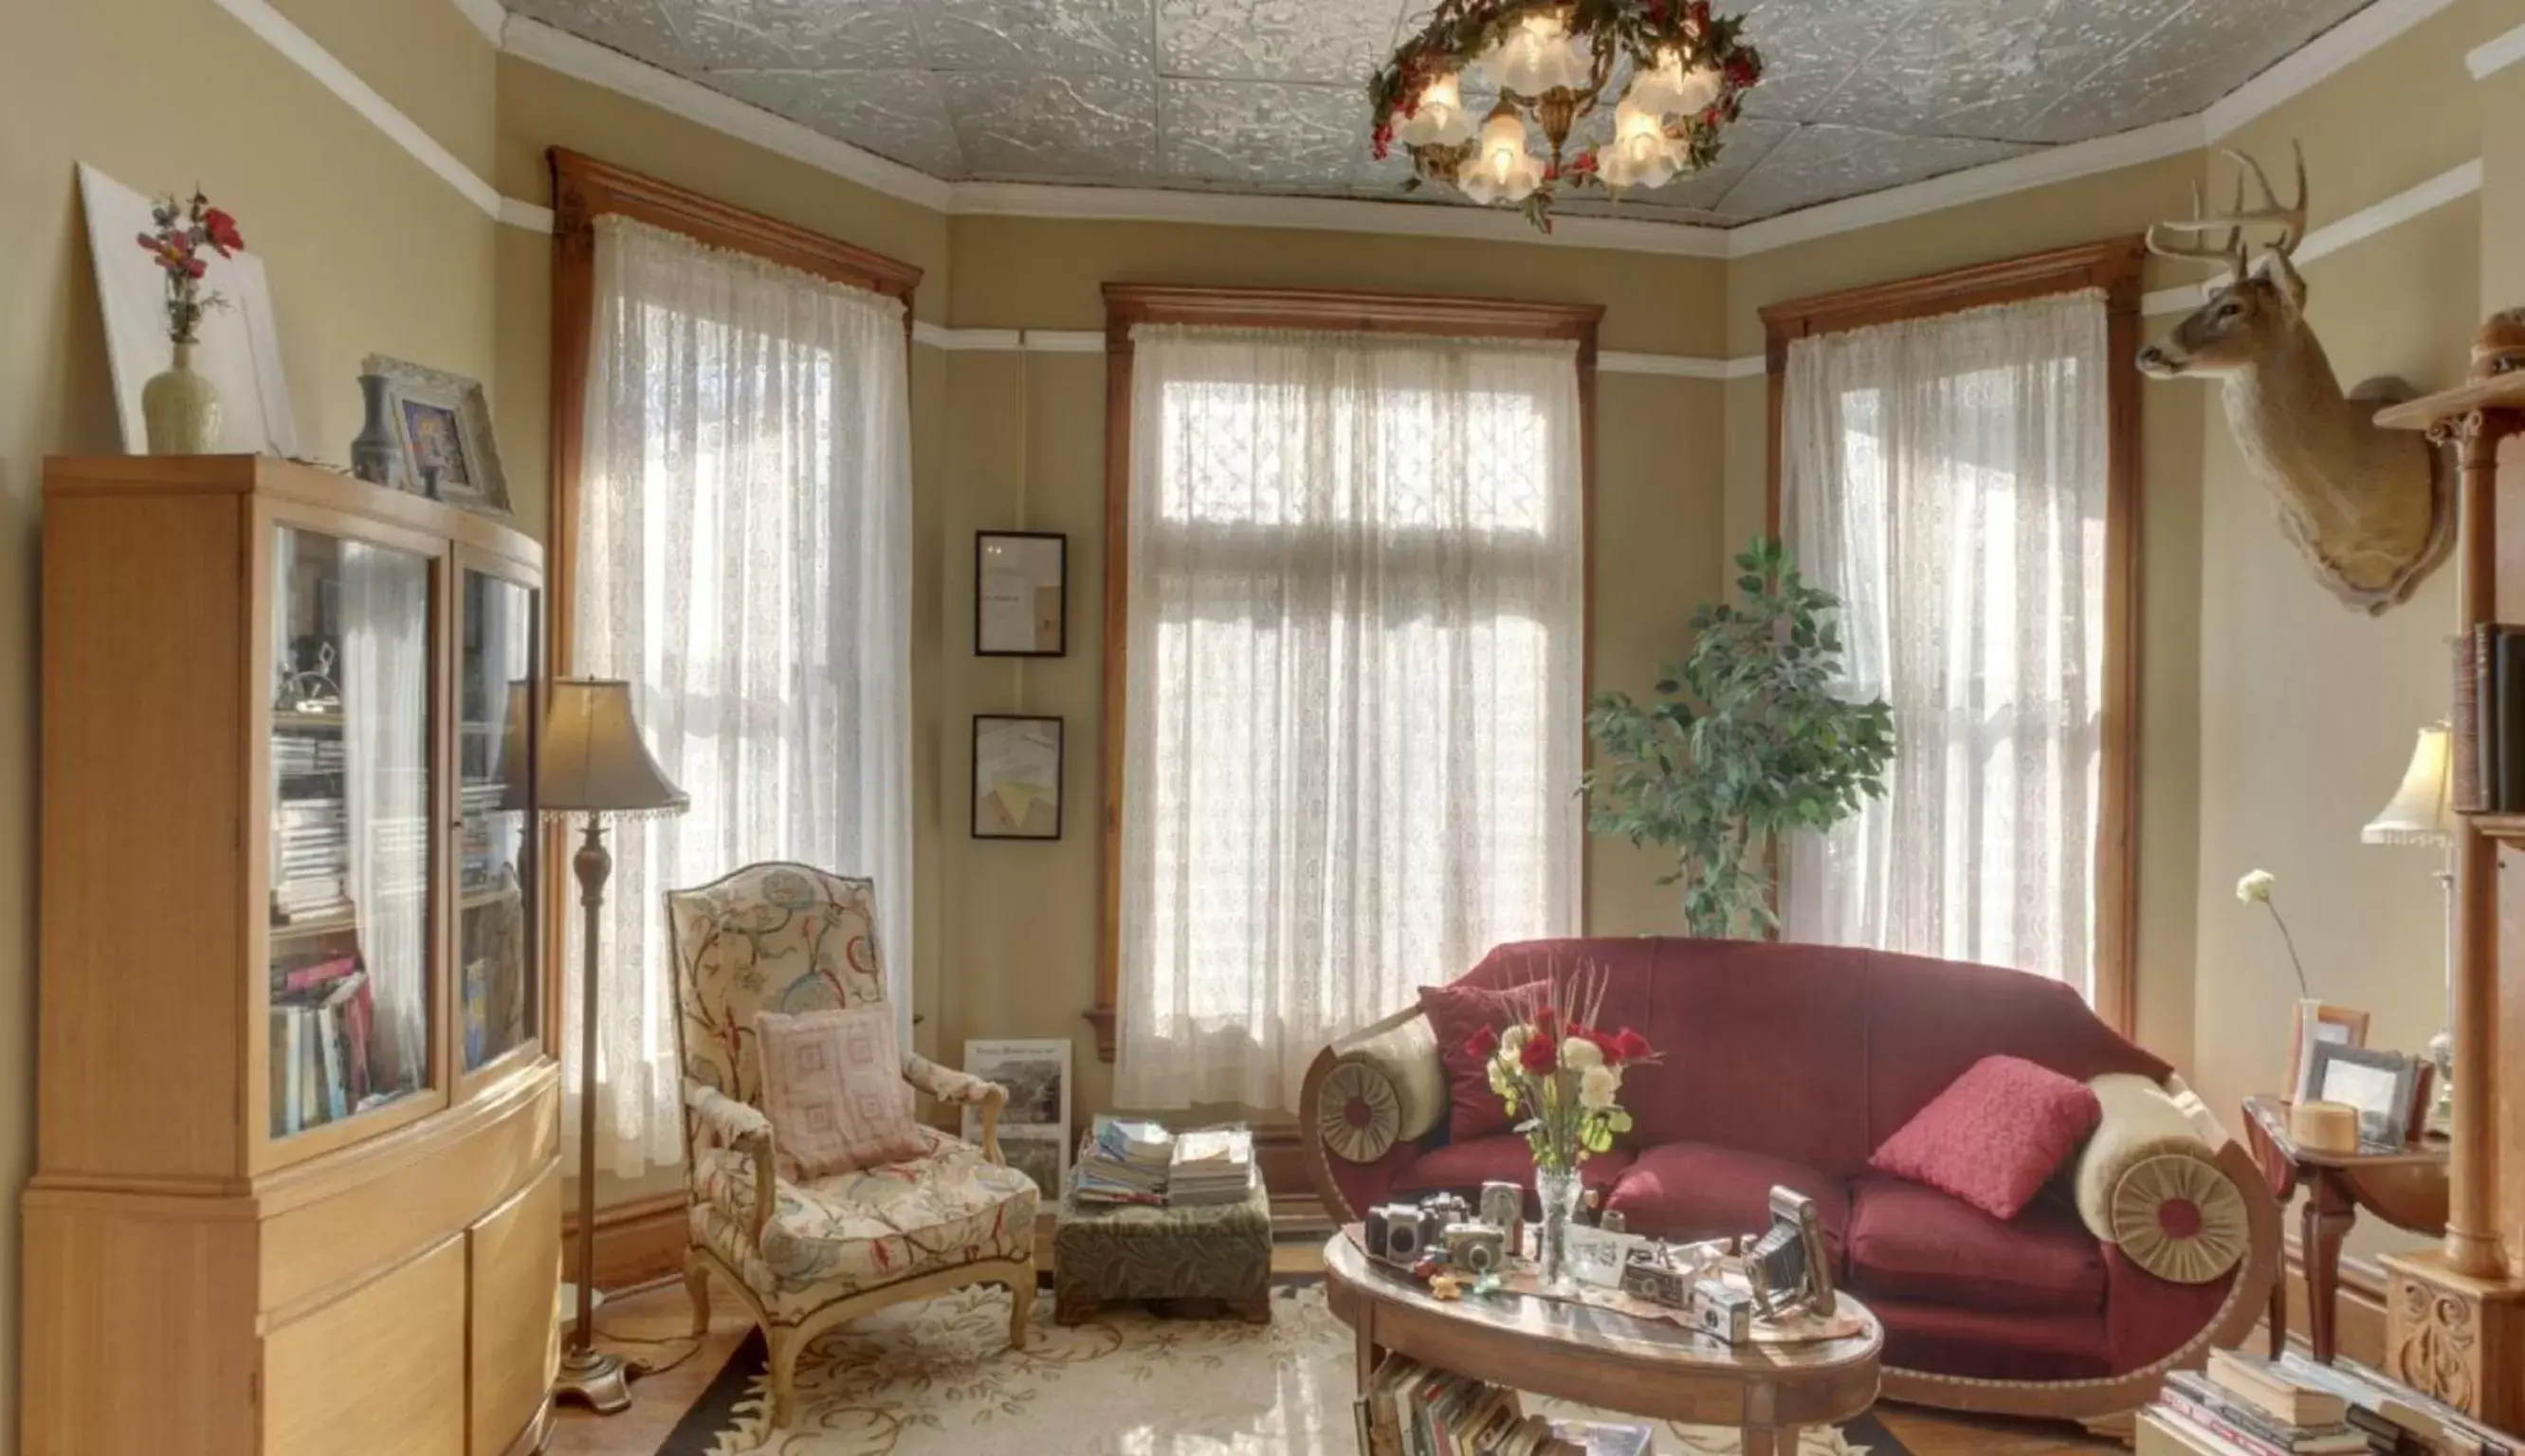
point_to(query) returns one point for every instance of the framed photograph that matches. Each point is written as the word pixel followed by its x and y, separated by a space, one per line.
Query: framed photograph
pixel 1039 1156
pixel 2384 1086
pixel 1596 1257
pixel 239 349
pixel 1034 1127
pixel 444 420
pixel 1020 594
pixel 2329 1026
pixel 1017 777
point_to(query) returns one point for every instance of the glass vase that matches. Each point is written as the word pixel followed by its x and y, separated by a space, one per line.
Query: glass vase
pixel 1556 1190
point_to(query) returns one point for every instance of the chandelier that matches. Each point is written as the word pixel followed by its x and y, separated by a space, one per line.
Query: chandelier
pixel 1551 62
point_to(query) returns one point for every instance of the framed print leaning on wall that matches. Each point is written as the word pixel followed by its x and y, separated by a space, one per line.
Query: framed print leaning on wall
pixel 1034 1127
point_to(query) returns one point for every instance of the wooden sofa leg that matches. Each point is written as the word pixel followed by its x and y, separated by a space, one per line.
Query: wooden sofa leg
pixel 785 1348
pixel 1020 1308
pixel 697 1289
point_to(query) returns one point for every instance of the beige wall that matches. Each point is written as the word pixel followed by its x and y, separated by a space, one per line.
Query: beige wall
pixel 365 251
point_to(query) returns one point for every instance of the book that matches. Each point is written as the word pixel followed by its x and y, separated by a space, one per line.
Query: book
pixel 2258 1382
pixel 2507 719
pixel 280 1063
pixel 2196 1440
pixel 2465 791
pixel 2236 1424
pixel 2383 1409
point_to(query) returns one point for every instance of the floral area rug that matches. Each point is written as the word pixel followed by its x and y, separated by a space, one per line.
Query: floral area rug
pixel 937 1377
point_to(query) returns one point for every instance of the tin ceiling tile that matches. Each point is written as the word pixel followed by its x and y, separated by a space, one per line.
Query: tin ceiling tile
pixel 2185 67
pixel 1062 37
pixel 1292 41
pixel 897 115
pixel 1989 68
pixel 1821 163
pixel 1808 46
pixel 1082 129
pixel 1264 134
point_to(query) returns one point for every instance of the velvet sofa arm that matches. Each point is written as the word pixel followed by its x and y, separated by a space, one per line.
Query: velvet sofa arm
pixel 2149 1183
pixel 948 1084
pixel 1369 1102
pixel 721 1121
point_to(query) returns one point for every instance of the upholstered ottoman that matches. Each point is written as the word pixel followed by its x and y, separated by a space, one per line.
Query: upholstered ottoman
pixel 1121 1251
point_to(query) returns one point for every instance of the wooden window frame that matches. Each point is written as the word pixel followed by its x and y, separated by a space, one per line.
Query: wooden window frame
pixel 1128 305
pixel 2114 267
pixel 584 190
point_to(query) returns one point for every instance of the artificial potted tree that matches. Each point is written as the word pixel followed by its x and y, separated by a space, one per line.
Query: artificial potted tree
pixel 1747 739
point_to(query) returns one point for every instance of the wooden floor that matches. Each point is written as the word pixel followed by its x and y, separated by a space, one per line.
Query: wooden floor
pixel 661 1314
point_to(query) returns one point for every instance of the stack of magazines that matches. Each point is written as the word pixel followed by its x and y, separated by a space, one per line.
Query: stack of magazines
pixel 1125 1162
pixel 1215 1165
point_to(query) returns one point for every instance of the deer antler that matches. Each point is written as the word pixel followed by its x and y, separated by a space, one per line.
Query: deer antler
pixel 2290 217
pixel 2230 252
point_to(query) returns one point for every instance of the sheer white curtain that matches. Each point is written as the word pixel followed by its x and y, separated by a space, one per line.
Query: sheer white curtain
pixel 1353 728
pixel 743 558
pixel 1945 477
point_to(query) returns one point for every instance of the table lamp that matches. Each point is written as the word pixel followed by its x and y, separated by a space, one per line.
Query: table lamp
pixel 2422 812
pixel 594 764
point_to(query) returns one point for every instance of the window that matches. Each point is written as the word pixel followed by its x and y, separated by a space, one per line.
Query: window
pixel 1352 727
pixel 1952 478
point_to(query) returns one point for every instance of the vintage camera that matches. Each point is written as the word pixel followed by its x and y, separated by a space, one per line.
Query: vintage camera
pixel 1649 1274
pixel 1476 1249
pixel 1721 1310
pixel 1399 1233
pixel 1789 1266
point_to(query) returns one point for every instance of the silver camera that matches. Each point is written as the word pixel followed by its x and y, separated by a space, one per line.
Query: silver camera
pixel 1721 1310
pixel 1476 1249
pixel 1399 1233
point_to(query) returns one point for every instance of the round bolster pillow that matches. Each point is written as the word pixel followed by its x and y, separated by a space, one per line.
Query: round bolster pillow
pixel 2150 1184
pixel 1382 1089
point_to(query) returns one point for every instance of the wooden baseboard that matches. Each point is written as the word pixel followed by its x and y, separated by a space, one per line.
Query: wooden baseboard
pixel 636 1244
pixel 2359 1319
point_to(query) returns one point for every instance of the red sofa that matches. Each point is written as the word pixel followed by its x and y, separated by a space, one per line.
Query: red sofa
pixel 1789 1064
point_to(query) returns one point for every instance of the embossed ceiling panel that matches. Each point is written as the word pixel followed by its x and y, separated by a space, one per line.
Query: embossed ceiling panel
pixel 1269 95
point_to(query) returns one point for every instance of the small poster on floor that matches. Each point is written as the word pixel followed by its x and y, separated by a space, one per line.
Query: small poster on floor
pixel 1034 1127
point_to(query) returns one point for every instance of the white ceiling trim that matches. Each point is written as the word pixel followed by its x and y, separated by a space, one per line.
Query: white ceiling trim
pixel 1678 366
pixel 488 16
pixel 533 216
pixel 2451 185
pixel 2316 62
pixel 2491 57
pixel 301 49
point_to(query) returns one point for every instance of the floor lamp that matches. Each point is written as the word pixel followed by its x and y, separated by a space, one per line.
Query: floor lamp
pixel 2421 812
pixel 594 764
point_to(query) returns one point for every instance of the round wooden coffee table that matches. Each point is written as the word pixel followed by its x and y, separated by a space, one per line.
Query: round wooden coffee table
pixel 1573 1351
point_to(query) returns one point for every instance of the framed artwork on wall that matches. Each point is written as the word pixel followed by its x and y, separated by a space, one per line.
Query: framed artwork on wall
pixel 1034 1127
pixel 1020 594
pixel 1017 777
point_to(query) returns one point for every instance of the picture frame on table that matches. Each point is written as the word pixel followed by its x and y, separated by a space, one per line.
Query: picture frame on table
pixel 2383 1086
pixel 2314 1024
pixel 1018 760
pixel 1020 594
pixel 1597 1258
pixel 444 420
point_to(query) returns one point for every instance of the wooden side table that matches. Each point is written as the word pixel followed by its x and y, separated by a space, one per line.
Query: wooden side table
pixel 2405 1188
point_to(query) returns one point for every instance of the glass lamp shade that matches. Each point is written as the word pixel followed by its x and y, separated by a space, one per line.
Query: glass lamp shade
pixel 1538 56
pixel 2421 811
pixel 593 760
pixel 1668 90
pixel 1641 155
pixel 1437 117
pixel 1500 169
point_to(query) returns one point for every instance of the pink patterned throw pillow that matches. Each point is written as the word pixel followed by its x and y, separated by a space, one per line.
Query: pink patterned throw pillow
pixel 833 1088
pixel 1995 1136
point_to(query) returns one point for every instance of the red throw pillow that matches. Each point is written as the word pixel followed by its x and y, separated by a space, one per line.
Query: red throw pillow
pixel 1458 1014
pixel 1995 1136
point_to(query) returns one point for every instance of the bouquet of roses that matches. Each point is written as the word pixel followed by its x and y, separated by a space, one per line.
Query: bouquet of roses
pixel 181 230
pixel 1553 1064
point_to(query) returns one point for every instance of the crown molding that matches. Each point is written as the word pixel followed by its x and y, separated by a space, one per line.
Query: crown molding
pixel 1678 366
pixel 489 16
pixel 533 216
pixel 584 60
pixel 2491 57
pixel 301 50
pixel 2451 185
pixel 2318 61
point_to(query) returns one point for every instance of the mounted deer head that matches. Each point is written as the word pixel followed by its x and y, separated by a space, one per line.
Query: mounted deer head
pixel 2369 508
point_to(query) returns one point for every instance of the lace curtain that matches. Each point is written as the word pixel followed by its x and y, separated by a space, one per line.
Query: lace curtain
pixel 1354 721
pixel 744 552
pixel 1945 477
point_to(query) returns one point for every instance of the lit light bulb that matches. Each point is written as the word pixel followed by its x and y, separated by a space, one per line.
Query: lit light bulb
pixel 1538 56
pixel 1667 89
pixel 1500 169
pixel 1641 154
pixel 1437 117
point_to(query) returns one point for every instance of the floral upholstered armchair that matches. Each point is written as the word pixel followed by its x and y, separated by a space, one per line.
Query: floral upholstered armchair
pixel 806 1256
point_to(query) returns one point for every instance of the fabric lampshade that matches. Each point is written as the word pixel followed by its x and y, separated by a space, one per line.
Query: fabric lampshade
pixel 594 760
pixel 2421 811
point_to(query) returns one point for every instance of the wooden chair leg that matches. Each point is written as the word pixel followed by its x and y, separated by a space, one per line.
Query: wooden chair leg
pixel 1020 1309
pixel 785 1347
pixel 697 1289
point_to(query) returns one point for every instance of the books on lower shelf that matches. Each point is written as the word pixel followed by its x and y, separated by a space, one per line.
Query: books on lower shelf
pixel 1412 1409
pixel 2488 755
pixel 317 1056
pixel 2247 1405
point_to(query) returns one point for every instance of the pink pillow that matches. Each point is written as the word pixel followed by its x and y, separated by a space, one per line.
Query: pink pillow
pixel 1995 1136
pixel 1456 1014
pixel 833 1088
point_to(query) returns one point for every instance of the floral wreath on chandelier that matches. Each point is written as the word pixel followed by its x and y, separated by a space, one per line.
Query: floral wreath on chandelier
pixel 1691 71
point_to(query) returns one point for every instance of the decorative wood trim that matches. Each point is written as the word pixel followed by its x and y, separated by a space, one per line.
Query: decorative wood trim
pixel 1128 304
pixel 2114 267
pixel 637 1242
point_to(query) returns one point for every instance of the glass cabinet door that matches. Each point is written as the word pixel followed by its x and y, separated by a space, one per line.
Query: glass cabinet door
pixel 499 673
pixel 351 844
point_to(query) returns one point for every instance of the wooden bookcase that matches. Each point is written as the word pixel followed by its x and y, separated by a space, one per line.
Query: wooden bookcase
pixel 297 1185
